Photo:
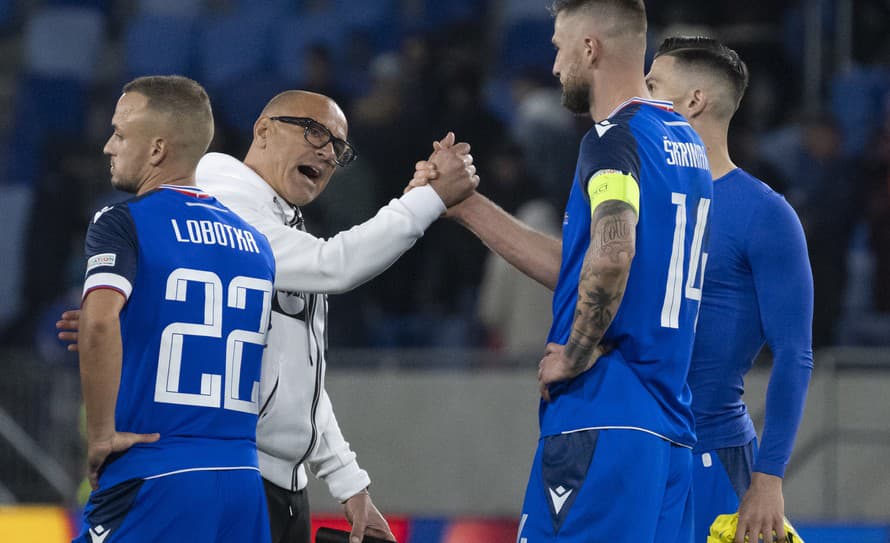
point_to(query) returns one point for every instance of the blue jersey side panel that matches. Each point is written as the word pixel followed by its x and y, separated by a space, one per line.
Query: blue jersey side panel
pixel 193 333
pixel 642 382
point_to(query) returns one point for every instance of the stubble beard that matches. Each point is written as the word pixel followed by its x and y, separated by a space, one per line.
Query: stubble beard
pixel 124 185
pixel 576 96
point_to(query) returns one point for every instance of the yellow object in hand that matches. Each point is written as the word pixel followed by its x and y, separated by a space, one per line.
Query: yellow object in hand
pixel 724 527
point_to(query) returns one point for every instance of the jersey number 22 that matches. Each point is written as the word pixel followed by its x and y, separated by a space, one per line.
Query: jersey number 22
pixel 170 357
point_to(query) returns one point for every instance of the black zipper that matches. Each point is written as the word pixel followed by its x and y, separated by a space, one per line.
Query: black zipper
pixel 312 306
pixel 269 399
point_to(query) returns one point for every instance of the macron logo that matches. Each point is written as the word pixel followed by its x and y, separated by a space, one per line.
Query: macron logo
pixel 559 495
pixel 100 213
pixel 98 534
pixel 603 127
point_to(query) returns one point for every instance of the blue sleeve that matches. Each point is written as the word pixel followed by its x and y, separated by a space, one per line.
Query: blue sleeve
pixel 608 146
pixel 112 250
pixel 777 252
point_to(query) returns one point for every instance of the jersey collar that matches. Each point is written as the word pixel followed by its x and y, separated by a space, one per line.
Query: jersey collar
pixel 660 104
pixel 188 191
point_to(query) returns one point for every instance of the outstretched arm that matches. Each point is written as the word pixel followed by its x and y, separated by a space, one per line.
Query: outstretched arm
pixel 535 254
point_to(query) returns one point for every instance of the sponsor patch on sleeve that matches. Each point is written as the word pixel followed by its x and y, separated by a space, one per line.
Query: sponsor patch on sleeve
pixel 104 259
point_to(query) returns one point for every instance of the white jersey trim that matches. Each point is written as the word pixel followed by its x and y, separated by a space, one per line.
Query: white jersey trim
pixel 107 280
pixel 177 472
pixel 656 434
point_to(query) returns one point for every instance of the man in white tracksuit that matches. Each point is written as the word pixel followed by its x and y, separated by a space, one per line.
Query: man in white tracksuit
pixel 286 168
pixel 299 140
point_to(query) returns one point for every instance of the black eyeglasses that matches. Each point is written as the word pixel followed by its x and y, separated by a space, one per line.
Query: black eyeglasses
pixel 318 136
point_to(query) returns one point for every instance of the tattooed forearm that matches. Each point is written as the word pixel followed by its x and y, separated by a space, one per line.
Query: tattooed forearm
pixel 613 231
pixel 603 279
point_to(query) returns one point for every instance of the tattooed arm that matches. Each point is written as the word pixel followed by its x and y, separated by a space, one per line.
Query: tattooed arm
pixel 600 290
pixel 603 278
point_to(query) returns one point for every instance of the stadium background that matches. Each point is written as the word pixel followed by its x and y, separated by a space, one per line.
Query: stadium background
pixel 431 364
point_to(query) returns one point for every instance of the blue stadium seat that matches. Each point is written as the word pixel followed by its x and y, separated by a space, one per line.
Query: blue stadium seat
pixel 526 46
pixel 368 14
pixel 438 13
pixel 64 42
pixel 516 10
pixel 7 13
pixel 102 5
pixel 44 106
pixel 233 46
pixel 270 8
pixel 378 20
pixel 301 32
pixel 243 100
pixel 172 8
pixel 159 44
pixel 858 98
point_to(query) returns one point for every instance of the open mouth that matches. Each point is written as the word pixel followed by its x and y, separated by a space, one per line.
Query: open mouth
pixel 311 172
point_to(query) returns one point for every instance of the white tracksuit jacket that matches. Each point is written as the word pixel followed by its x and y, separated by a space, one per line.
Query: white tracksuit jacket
pixel 296 424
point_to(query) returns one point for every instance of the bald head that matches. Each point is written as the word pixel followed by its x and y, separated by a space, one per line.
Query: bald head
pixel 298 103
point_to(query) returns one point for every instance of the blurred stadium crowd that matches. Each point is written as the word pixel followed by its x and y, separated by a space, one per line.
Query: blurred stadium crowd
pixel 406 71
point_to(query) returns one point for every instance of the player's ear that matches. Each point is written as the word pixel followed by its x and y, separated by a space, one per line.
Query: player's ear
pixel 592 47
pixel 696 102
pixel 158 151
pixel 261 131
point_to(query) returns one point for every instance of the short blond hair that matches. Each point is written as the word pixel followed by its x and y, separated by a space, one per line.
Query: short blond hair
pixel 631 13
pixel 186 104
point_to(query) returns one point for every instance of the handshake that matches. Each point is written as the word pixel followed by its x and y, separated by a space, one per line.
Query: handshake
pixel 449 171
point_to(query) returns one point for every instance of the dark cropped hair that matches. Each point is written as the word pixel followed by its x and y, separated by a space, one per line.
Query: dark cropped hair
pixel 632 12
pixel 185 102
pixel 711 55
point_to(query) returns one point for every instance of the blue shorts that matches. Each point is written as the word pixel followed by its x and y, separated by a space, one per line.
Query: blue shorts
pixel 608 485
pixel 719 480
pixel 190 507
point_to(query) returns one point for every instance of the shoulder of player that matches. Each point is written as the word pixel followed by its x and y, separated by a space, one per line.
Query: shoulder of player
pixel 607 137
pixel 757 190
pixel 770 210
pixel 113 212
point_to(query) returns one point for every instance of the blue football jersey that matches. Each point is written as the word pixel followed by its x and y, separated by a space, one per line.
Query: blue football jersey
pixel 641 383
pixel 198 282
pixel 758 289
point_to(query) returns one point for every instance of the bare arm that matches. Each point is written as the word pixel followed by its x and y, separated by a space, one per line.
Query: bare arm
pixel 535 254
pixel 603 279
pixel 101 352
pixel 601 287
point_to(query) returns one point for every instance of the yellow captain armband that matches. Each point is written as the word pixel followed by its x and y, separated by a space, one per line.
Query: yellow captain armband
pixel 607 185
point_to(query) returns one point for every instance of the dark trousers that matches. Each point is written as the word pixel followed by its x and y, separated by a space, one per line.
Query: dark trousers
pixel 288 514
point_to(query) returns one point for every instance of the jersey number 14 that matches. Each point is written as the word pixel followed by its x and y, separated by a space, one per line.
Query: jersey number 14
pixel 674 291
